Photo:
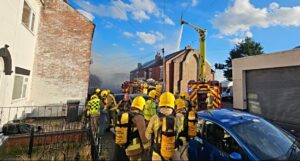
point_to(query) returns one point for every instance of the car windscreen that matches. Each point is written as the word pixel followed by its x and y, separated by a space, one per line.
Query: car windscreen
pixel 119 97
pixel 265 140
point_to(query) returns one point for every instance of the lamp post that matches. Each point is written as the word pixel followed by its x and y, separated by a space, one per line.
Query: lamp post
pixel 164 69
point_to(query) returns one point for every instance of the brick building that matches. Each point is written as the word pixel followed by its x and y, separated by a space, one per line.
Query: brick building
pixel 62 58
pixel 181 67
pixel 45 48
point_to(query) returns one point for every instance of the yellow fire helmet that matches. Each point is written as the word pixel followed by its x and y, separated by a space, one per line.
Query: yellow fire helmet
pixel 104 93
pixel 94 96
pixel 167 99
pixel 152 94
pixel 208 94
pixel 108 91
pixel 138 102
pixel 98 90
pixel 180 104
pixel 184 95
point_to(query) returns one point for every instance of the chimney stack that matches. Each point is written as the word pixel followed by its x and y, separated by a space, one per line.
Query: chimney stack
pixel 139 65
pixel 157 57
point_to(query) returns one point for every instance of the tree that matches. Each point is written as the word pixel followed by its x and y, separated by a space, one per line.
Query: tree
pixel 247 47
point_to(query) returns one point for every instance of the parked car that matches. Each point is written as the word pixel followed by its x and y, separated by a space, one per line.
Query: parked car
pixel 227 134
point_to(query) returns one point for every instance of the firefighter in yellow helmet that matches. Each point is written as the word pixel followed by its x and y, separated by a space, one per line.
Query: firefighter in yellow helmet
pixel 181 115
pixel 209 101
pixel 110 104
pixel 93 108
pixel 98 92
pixel 137 143
pixel 185 97
pixel 162 127
pixel 150 107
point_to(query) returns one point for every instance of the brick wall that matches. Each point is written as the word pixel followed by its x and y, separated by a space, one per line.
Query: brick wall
pixel 62 58
pixel 156 73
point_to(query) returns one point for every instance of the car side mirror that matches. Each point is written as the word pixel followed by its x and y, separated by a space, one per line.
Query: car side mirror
pixel 235 156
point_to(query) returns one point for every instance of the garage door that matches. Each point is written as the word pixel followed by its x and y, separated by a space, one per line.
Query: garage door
pixel 275 94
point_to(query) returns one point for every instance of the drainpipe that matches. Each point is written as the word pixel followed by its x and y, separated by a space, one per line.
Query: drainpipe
pixel 164 69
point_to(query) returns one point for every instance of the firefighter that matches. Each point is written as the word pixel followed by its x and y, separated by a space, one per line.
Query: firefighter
pixel 110 103
pixel 162 127
pixel 182 137
pixel 138 143
pixel 185 97
pixel 177 93
pixel 145 88
pixel 209 101
pixel 124 105
pixel 98 92
pixel 150 107
pixel 93 108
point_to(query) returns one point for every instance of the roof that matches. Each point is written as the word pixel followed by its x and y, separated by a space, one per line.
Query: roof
pixel 153 63
pixel 227 117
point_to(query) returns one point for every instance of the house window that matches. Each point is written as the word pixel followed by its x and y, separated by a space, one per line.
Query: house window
pixel 28 17
pixel 20 87
pixel 161 72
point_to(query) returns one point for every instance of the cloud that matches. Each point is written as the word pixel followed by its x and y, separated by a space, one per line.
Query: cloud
pixel 140 10
pixel 117 9
pixel 194 3
pixel 114 45
pixel 140 15
pixel 86 14
pixel 141 49
pixel 128 34
pixel 239 18
pixel 236 40
pixel 108 25
pixel 166 20
pixel 150 38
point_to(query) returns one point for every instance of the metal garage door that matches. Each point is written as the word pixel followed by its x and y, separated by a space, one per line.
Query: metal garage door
pixel 275 94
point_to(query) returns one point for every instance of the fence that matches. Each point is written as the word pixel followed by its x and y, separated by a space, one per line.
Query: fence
pixel 46 133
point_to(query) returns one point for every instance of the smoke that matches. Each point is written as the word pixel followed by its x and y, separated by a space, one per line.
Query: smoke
pixel 95 81
pixel 113 69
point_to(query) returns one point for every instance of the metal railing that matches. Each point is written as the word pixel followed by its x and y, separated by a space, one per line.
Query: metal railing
pixel 46 133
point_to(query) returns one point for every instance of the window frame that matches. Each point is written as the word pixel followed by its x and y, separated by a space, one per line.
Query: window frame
pixel 161 72
pixel 32 22
pixel 22 87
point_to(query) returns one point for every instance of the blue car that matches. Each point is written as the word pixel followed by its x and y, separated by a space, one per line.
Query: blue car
pixel 227 134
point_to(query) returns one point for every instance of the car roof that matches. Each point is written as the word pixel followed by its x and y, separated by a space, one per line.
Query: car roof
pixel 226 117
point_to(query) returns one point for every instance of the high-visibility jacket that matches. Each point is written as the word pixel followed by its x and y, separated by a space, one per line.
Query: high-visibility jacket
pixel 94 106
pixel 209 101
pixel 180 118
pixel 149 110
pixel 110 101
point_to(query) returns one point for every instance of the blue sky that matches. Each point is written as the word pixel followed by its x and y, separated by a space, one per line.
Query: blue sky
pixel 131 31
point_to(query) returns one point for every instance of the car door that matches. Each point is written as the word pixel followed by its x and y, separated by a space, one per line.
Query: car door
pixel 213 143
pixel 213 136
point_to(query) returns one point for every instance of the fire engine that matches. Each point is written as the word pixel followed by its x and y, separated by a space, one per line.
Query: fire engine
pixel 199 89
